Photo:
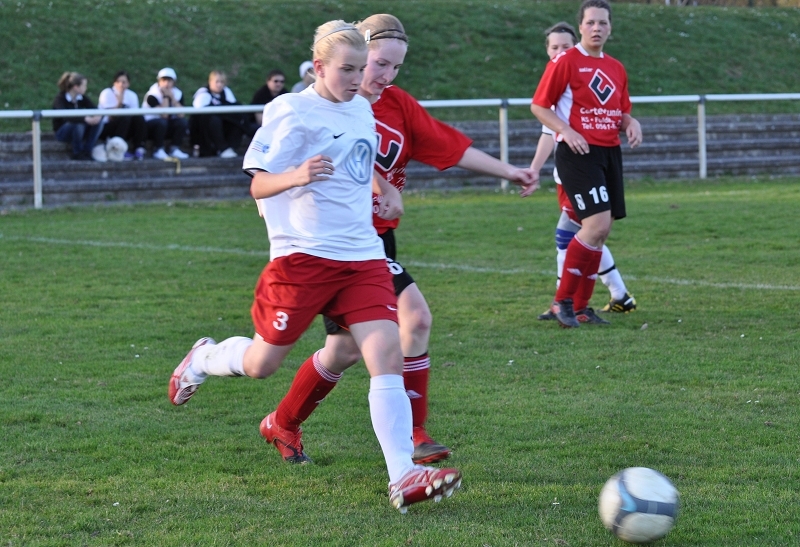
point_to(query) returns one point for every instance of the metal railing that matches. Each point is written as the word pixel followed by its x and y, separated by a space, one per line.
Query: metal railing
pixel 502 104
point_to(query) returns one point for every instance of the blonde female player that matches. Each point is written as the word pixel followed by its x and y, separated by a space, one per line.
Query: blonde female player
pixel 311 165
pixel 559 38
pixel 405 131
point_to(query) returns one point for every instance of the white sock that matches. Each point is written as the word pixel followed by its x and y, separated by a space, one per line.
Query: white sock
pixel 390 409
pixel 223 359
pixel 611 277
pixel 561 256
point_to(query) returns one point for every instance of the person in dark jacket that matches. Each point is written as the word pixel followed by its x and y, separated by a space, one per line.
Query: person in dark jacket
pixel 216 134
pixel 81 132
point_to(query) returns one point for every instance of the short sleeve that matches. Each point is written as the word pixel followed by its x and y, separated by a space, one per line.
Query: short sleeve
pixel 553 83
pixel 201 98
pixel 434 143
pixel 279 144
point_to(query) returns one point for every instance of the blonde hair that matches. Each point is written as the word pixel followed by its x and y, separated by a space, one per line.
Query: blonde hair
pixel 336 33
pixel 382 26
pixel 68 80
pixel 222 75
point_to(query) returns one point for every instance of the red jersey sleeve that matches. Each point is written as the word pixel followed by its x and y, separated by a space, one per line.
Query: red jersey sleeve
pixel 433 142
pixel 553 83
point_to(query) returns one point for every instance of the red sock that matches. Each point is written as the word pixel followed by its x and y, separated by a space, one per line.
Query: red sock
pixel 586 286
pixel 416 371
pixel 578 261
pixel 310 386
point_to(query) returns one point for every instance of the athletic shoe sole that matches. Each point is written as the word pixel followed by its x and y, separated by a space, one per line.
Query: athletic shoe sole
pixel 424 484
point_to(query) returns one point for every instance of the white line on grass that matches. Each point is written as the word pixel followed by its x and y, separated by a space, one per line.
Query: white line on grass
pixel 416 264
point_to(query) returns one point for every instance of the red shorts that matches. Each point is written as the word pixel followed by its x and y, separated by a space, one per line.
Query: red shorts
pixel 293 289
pixel 566 206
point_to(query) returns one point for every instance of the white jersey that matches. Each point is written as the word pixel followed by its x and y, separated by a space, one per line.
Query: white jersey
pixel 109 99
pixel 329 219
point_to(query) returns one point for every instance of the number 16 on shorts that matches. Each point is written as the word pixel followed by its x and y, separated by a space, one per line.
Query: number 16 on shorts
pixel 597 194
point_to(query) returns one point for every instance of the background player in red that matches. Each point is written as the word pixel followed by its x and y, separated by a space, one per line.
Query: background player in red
pixel 406 131
pixel 311 164
pixel 589 90
pixel 559 38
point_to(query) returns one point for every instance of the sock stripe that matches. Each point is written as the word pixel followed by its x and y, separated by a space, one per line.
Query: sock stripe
pixel 411 364
pixel 322 371
pixel 611 269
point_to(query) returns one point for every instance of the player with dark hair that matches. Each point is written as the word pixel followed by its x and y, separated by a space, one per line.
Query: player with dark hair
pixel 405 131
pixel 559 38
pixel 588 90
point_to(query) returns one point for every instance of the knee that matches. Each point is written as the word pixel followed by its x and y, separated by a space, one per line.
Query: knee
pixel 418 320
pixel 261 368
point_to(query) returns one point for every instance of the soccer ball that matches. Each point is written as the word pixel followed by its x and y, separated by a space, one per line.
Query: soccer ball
pixel 639 505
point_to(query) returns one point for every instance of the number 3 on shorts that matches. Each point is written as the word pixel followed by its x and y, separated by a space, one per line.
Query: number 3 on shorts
pixel 281 322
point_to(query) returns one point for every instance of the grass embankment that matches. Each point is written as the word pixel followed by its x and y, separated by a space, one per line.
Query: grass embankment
pixel 458 50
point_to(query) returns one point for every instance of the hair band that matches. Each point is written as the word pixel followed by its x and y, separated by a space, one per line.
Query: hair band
pixel 342 29
pixel 375 34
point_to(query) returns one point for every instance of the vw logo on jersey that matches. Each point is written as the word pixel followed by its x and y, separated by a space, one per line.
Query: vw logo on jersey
pixel 390 144
pixel 359 162
pixel 602 86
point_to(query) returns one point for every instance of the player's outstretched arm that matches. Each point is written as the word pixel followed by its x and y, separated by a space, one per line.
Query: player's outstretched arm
pixel 265 184
pixel 391 206
pixel 481 162
pixel 632 129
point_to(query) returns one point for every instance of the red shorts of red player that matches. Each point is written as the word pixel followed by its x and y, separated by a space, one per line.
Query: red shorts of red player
pixel 293 289
pixel 566 206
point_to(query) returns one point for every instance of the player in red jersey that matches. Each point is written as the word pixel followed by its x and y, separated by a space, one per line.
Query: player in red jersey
pixel 311 165
pixel 559 38
pixel 589 93
pixel 405 131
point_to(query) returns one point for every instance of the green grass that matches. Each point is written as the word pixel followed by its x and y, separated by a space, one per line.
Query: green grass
pixel 101 303
pixel 458 50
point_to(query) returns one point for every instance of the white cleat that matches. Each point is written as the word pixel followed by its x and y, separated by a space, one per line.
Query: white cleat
pixel 182 387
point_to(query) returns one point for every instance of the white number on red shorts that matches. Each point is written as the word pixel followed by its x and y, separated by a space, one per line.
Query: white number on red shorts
pixel 394 267
pixel 282 321
pixel 579 201
pixel 603 195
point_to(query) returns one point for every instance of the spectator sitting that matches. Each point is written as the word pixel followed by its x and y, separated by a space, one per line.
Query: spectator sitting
pixel 81 132
pixel 216 134
pixel 128 128
pixel 307 75
pixel 163 93
pixel 276 85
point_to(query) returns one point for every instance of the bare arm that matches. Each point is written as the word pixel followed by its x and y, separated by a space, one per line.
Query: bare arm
pixel 544 148
pixel 572 138
pixel 632 129
pixel 265 184
pixel 481 162
pixel 391 203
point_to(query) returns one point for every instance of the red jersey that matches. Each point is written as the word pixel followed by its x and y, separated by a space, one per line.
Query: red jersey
pixel 406 131
pixel 589 93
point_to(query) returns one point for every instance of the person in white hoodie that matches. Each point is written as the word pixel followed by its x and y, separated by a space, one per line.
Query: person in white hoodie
pixel 216 134
pixel 163 93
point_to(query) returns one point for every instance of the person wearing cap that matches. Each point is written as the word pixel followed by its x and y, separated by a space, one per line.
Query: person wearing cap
pixel 307 75
pixel 163 93
pixel 274 86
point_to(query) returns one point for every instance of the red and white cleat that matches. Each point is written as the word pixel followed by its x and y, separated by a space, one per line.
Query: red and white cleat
pixel 181 386
pixel 426 450
pixel 424 483
pixel 288 443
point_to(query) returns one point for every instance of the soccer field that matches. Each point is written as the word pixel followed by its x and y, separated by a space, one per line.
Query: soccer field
pixel 702 382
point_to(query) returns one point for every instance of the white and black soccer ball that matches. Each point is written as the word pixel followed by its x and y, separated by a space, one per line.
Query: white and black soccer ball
pixel 639 505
